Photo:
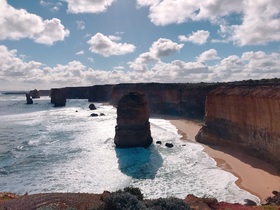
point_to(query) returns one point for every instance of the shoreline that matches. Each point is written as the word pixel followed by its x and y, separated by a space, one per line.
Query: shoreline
pixel 260 180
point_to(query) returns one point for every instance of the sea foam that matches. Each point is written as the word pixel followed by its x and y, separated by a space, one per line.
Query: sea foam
pixel 46 149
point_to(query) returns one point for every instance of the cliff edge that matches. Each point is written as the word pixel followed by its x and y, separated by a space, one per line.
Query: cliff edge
pixel 246 117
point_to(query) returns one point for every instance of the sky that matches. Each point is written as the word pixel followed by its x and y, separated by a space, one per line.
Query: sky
pixel 50 44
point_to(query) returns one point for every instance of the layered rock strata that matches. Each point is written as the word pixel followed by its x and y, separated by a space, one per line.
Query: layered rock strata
pixel 244 116
pixel 170 99
pixel 133 127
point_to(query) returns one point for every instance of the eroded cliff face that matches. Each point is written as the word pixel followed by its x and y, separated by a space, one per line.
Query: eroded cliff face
pixel 186 100
pixel 244 116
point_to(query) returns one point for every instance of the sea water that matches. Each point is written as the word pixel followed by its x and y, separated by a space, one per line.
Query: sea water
pixel 47 149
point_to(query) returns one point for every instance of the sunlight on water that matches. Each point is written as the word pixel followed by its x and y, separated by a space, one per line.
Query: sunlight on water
pixel 46 149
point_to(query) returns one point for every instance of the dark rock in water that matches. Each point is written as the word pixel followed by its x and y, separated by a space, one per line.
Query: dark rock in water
pixel 169 145
pixel 133 126
pixel 58 97
pixel 158 142
pixel 28 99
pixel 102 114
pixel 34 93
pixel 94 115
pixel 92 107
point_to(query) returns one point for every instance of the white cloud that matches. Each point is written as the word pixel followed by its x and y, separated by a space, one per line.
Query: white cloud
pixel 54 7
pixel 164 47
pixel 160 48
pixel 91 59
pixel 32 74
pixel 80 53
pixel 119 68
pixel 259 22
pixel 88 6
pixel 103 45
pixel 114 38
pixel 80 24
pixel 199 37
pixel 18 24
pixel 208 55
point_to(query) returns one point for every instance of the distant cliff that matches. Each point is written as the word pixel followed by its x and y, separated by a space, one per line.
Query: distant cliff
pixel 187 100
pixel 246 116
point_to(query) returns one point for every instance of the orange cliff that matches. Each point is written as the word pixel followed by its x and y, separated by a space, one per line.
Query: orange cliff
pixel 246 117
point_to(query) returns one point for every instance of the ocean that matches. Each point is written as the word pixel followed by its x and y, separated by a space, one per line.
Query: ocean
pixel 47 149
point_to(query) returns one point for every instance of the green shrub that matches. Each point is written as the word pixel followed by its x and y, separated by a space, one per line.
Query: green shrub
pixel 167 203
pixel 123 201
pixel 133 191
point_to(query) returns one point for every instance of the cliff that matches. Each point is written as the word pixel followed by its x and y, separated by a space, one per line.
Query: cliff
pixel 246 117
pixel 185 100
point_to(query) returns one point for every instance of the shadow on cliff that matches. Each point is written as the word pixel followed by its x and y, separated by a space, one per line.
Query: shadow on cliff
pixel 138 162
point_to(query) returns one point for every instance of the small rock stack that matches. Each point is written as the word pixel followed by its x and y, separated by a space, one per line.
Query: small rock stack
pixel 133 126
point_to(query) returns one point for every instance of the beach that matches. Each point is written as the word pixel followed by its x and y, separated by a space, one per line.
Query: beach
pixel 254 175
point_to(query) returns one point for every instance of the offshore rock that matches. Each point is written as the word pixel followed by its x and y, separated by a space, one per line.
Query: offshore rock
pixel 28 99
pixel 246 117
pixel 92 107
pixel 34 93
pixel 133 126
pixel 58 97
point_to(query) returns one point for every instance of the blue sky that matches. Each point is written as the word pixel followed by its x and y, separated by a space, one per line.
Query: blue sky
pixel 47 43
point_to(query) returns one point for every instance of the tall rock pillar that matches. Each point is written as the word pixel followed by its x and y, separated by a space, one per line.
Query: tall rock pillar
pixel 58 97
pixel 133 126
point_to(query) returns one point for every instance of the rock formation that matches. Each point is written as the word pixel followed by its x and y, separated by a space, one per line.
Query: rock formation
pixel 58 97
pixel 92 107
pixel 247 117
pixel 171 99
pixel 28 99
pixel 34 93
pixel 133 127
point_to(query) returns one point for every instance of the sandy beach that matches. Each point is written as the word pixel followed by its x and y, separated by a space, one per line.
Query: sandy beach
pixel 254 175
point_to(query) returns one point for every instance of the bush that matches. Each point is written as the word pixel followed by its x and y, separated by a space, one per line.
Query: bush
pixel 123 201
pixel 133 191
pixel 167 203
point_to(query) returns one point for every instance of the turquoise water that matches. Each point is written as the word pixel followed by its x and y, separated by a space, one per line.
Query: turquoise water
pixel 47 149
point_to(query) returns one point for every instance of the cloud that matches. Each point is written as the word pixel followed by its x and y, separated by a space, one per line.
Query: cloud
pixel 259 20
pixel 103 45
pixel 54 7
pixel 33 74
pixel 199 37
pixel 80 53
pixel 208 55
pixel 80 25
pixel 88 6
pixel 261 24
pixel 18 24
pixel 160 48
pixel 164 47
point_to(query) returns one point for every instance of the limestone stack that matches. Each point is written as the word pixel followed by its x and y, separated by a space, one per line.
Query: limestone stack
pixel 133 126
pixel 28 99
pixel 247 117
pixel 58 97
